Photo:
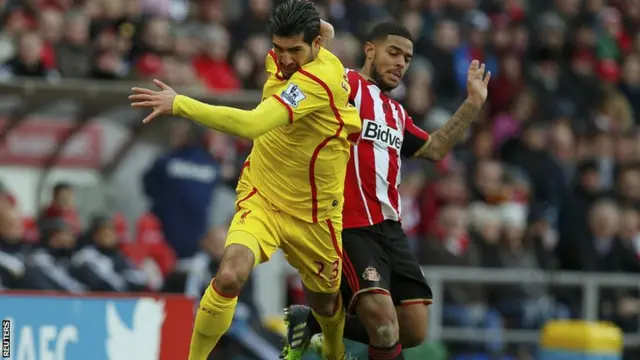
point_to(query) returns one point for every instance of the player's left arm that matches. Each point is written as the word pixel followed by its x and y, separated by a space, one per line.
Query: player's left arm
pixel 438 145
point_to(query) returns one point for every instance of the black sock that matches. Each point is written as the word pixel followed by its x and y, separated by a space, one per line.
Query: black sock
pixel 354 329
pixel 390 353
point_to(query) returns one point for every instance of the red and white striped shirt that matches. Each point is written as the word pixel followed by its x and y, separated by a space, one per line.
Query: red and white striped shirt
pixel 373 174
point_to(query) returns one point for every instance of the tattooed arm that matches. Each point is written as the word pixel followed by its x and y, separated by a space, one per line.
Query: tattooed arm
pixel 444 139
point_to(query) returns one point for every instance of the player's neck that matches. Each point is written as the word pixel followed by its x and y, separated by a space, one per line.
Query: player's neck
pixel 371 80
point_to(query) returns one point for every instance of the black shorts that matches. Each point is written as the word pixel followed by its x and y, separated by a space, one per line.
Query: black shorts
pixel 378 259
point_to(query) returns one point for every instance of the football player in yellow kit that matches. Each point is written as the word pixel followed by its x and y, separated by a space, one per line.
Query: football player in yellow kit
pixel 290 193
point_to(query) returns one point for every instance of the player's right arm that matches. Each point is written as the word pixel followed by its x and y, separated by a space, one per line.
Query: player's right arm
pixel 297 98
pixel 249 124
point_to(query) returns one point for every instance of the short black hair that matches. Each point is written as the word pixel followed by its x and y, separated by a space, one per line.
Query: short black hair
pixel 294 17
pixel 61 186
pixel 385 29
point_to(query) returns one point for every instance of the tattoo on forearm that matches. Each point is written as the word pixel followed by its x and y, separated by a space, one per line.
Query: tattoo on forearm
pixel 445 138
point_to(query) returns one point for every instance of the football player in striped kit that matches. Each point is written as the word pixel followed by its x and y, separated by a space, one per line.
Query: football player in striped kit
pixel 383 283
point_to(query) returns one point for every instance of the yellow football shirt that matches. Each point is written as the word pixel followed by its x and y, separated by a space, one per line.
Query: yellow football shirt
pixel 301 167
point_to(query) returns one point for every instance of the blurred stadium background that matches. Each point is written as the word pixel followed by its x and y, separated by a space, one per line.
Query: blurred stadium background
pixel 110 230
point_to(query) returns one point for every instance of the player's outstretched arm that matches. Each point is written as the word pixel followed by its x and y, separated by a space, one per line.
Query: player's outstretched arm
pixel 248 124
pixel 445 138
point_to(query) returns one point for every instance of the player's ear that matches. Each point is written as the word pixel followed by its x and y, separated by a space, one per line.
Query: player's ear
pixel 317 42
pixel 369 50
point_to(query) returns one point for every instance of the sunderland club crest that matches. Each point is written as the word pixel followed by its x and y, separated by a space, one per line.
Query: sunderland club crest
pixel 371 274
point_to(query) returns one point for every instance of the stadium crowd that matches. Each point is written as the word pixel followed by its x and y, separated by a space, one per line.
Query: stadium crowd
pixel 548 178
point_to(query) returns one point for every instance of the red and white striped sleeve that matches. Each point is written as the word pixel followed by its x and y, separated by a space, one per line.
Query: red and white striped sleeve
pixel 414 137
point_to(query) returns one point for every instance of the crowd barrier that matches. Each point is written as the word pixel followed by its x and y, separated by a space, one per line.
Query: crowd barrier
pixel 589 285
pixel 50 326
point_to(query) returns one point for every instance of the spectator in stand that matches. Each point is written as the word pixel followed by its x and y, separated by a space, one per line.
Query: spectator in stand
pixel 630 84
pixel 74 51
pixel 628 301
pixel 573 220
pixel 626 151
pixel 599 249
pixel 13 250
pixel 486 185
pixel 50 28
pixel 63 205
pixel 628 186
pixel 180 187
pixel 481 148
pixel 530 305
pixel 50 264
pixel 449 190
pixel 212 65
pixel 100 264
pixel 508 125
pixel 253 21
pixel 531 154
pixel 562 147
pixel 28 60
pixel 149 250
pixel 465 304
pixel 439 51
pixel 506 87
pixel 475 29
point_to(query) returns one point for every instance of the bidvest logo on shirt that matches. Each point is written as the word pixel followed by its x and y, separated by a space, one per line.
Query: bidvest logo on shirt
pixel 380 133
pixel 68 328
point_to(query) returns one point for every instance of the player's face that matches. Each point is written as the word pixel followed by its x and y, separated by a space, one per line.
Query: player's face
pixel 293 53
pixel 389 60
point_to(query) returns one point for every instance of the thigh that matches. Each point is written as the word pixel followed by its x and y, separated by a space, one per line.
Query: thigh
pixel 254 225
pixel 315 250
pixel 366 267
pixel 408 283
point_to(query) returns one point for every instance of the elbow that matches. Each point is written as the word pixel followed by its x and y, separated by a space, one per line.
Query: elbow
pixel 252 132
pixel 437 155
pixel 437 149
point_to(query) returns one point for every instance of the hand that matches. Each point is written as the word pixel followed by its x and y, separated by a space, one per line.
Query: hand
pixel 327 33
pixel 477 82
pixel 326 30
pixel 161 102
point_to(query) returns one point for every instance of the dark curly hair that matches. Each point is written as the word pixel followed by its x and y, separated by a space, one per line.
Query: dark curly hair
pixel 295 17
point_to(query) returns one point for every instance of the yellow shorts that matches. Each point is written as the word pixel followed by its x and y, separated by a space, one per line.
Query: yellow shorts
pixel 315 250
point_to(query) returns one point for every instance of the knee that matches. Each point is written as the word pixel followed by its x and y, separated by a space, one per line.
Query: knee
pixel 380 319
pixel 229 281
